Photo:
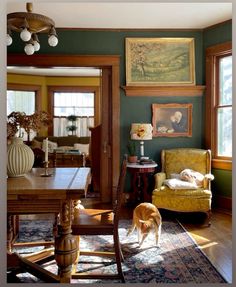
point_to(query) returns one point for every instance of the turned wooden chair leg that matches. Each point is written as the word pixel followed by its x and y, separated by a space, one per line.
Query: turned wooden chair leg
pixel 118 256
pixel 121 254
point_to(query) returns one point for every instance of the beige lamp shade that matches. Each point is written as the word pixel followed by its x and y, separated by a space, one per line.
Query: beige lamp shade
pixel 141 131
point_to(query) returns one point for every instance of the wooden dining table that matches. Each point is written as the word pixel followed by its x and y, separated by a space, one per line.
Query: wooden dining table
pixel 56 194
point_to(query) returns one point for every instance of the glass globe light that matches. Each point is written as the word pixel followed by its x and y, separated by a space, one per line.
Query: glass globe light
pixel 29 49
pixel 9 40
pixel 25 35
pixel 36 46
pixel 52 41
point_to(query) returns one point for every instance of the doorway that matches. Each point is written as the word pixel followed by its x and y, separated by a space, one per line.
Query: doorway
pixel 110 107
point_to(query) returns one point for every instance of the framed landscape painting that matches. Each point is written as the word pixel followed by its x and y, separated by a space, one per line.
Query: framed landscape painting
pixel 172 120
pixel 160 61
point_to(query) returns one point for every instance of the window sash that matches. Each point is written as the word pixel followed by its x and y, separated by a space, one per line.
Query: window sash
pixel 224 132
pixel 223 107
pixel 213 102
pixel 73 103
pixel 225 80
pixel 68 103
pixel 21 101
pixel 82 126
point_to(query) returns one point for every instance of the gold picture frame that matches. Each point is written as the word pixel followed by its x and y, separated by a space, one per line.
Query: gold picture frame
pixel 172 120
pixel 160 61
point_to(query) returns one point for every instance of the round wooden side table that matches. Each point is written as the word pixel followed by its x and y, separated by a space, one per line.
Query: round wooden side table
pixel 139 181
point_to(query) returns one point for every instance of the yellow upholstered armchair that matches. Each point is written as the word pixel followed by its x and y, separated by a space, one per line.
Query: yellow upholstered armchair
pixel 183 198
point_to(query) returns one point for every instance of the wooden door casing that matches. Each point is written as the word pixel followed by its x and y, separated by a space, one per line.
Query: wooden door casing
pixel 109 64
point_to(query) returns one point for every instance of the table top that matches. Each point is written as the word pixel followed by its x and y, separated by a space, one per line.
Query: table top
pixel 137 165
pixel 63 183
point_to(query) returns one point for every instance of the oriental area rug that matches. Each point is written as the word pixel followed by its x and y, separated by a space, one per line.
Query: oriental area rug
pixel 177 260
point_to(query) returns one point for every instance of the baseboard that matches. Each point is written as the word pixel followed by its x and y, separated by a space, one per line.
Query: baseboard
pixel 222 202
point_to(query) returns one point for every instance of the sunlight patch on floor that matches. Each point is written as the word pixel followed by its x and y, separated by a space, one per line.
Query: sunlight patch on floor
pixel 210 244
pixel 203 242
pixel 198 238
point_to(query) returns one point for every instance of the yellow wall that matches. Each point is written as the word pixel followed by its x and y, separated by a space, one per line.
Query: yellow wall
pixel 45 81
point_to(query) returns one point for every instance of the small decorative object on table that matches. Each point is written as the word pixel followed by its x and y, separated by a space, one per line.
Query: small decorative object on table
pixel 19 122
pixel 141 132
pixel 144 161
pixel 132 157
pixel 46 173
pixel 46 162
pixel 20 157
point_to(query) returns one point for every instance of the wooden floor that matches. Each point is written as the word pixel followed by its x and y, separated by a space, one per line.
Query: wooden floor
pixel 215 241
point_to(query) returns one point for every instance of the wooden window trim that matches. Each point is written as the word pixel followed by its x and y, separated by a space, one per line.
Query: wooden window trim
pixel 28 88
pixel 222 164
pixel 78 89
pixel 213 54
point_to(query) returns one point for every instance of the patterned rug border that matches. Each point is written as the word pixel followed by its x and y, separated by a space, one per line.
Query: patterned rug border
pixel 199 248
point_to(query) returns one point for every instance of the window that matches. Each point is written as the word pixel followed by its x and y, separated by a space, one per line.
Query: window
pixel 219 103
pixel 20 101
pixel 224 108
pixel 79 104
pixel 23 98
pixel 66 101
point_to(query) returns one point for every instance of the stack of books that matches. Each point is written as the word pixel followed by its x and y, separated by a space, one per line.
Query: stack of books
pixel 147 161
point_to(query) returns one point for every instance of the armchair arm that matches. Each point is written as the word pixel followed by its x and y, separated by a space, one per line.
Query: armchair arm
pixel 159 179
pixel 207 180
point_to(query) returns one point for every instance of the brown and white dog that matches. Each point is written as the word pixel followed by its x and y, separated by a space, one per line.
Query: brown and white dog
pixel 146 217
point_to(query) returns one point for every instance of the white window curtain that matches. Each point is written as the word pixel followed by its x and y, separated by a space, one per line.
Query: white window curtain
pixel 82 123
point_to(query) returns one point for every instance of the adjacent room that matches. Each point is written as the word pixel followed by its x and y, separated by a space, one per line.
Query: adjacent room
pixel 119 142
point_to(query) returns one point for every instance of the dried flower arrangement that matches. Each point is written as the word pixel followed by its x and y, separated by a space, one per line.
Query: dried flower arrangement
pixel 18 120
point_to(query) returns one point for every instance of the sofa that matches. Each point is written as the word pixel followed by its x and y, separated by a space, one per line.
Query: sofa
pixel 62 141
pixel 63 151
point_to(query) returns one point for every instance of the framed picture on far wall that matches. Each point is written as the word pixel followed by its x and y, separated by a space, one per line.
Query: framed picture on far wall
pixel 160 61
pixel 172 120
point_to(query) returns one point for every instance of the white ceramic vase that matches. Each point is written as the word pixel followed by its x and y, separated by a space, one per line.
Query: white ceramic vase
pixel 20 158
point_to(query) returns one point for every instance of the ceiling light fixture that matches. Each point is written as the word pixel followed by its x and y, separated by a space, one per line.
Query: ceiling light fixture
pixel 29 24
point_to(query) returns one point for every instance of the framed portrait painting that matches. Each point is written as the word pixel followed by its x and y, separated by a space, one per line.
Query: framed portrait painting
pixel 160 61
pixel 172 120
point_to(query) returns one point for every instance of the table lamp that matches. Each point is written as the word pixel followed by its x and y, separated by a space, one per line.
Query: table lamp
pixel 141 132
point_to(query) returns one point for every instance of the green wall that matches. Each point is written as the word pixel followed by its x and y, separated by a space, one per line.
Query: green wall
pixel 138 109
pixel 217 34
pixel 132 108
pixel 222 184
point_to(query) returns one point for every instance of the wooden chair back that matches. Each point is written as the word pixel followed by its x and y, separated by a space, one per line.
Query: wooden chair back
pixel 119 191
